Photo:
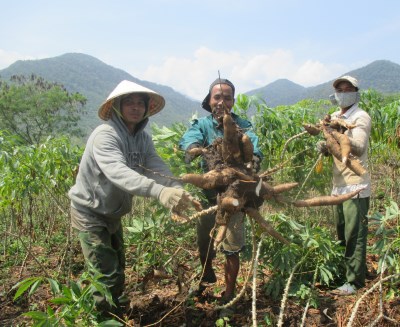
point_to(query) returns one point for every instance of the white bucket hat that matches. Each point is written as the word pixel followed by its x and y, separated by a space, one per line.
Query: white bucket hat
pixel 156 101
pixel 346 78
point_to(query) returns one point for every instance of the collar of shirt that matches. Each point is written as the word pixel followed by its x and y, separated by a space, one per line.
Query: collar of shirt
pixel 348 112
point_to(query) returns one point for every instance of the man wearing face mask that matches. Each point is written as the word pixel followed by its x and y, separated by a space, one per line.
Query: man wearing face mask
pixel 351 216
pixel 202 133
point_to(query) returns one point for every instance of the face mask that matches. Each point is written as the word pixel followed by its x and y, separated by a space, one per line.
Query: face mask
pixel 347 99
pixel 333 99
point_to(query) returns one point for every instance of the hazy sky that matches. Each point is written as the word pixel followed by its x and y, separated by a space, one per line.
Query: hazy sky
pixel 184 43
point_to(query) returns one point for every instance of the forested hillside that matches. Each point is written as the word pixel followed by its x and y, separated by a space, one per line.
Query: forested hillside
pixel 95 79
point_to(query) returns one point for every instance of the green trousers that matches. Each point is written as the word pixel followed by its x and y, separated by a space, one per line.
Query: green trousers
pixel 352 230
pixel 105 253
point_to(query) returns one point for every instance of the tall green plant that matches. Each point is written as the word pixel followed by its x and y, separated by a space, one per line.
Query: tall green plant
pixel 387 234
pixel 385 116
pixel 311 245
pixel 34 180
pixel 70 305
pixel 29 171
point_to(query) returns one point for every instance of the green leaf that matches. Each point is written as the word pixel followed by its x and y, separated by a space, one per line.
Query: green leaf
pixel 34 286
pixel 76 291
pixel 36 315
pixel 60 300
pixel 110 323
pixel 54 285
pixel 67 292
pixel 24 285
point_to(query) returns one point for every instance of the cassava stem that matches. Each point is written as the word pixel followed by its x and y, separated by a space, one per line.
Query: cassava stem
pixel 254 214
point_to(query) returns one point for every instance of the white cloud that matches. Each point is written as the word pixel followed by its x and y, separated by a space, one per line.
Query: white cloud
pixel 260 70
pixel 192 76
pixel 314 72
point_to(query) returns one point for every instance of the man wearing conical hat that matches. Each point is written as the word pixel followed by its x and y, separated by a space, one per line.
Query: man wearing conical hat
pixel 117 164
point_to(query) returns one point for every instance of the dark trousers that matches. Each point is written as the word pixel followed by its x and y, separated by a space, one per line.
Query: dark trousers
pixel 105 253
pixel 352 230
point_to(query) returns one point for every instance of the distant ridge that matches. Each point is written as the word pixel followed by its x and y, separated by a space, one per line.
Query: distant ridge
pixel 381 75
pixel 95 80
pixel 282 91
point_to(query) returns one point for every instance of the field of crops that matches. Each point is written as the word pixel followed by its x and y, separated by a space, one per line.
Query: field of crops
pixel 42 274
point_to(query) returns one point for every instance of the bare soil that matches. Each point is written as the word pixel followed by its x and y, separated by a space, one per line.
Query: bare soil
pixel 168 301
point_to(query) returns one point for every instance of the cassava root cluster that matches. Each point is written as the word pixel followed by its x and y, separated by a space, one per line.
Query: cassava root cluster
pixel 337 142
pixel 238 187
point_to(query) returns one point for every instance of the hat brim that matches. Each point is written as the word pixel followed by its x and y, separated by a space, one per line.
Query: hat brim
pixel 343 79
pixel 156 101
pixel 206 103
pixel 156 104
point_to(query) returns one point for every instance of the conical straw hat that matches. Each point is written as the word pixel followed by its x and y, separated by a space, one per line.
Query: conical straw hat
pixel 156 102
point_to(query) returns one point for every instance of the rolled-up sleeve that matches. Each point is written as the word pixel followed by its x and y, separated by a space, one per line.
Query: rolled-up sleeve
pixel 193 135
pixel 360 134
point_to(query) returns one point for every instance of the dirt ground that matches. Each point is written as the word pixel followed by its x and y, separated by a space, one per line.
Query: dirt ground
pixel 162 305
pixel 169 302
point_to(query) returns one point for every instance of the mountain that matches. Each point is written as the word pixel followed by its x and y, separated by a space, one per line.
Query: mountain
pixel 282 91
pixel 381 75
pixel 95 80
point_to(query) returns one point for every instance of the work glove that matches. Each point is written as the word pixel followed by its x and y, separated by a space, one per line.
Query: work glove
pixel 170 197
pixel 189 157
pixel 178 200
pixel 322 148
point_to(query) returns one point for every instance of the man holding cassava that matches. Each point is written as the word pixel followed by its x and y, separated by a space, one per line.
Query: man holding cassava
pixel 351 215
pixel 117 164
pixel 202 133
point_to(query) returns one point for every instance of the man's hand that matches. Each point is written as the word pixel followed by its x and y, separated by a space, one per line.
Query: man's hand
pixel 177 199
pixel 322 148
pixel 171 196
pixel 192 152
pixel 256 164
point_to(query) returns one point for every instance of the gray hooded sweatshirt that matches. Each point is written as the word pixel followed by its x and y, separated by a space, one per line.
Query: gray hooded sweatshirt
pixel 111 173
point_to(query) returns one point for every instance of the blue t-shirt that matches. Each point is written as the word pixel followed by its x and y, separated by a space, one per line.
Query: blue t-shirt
pixel 204 131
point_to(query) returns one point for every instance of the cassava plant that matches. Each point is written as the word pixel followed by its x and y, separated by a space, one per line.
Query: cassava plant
pixel 312 245
pixel 72 304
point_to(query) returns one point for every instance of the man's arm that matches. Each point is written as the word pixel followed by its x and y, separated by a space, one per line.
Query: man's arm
pixel 193 135
pixel 360 134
